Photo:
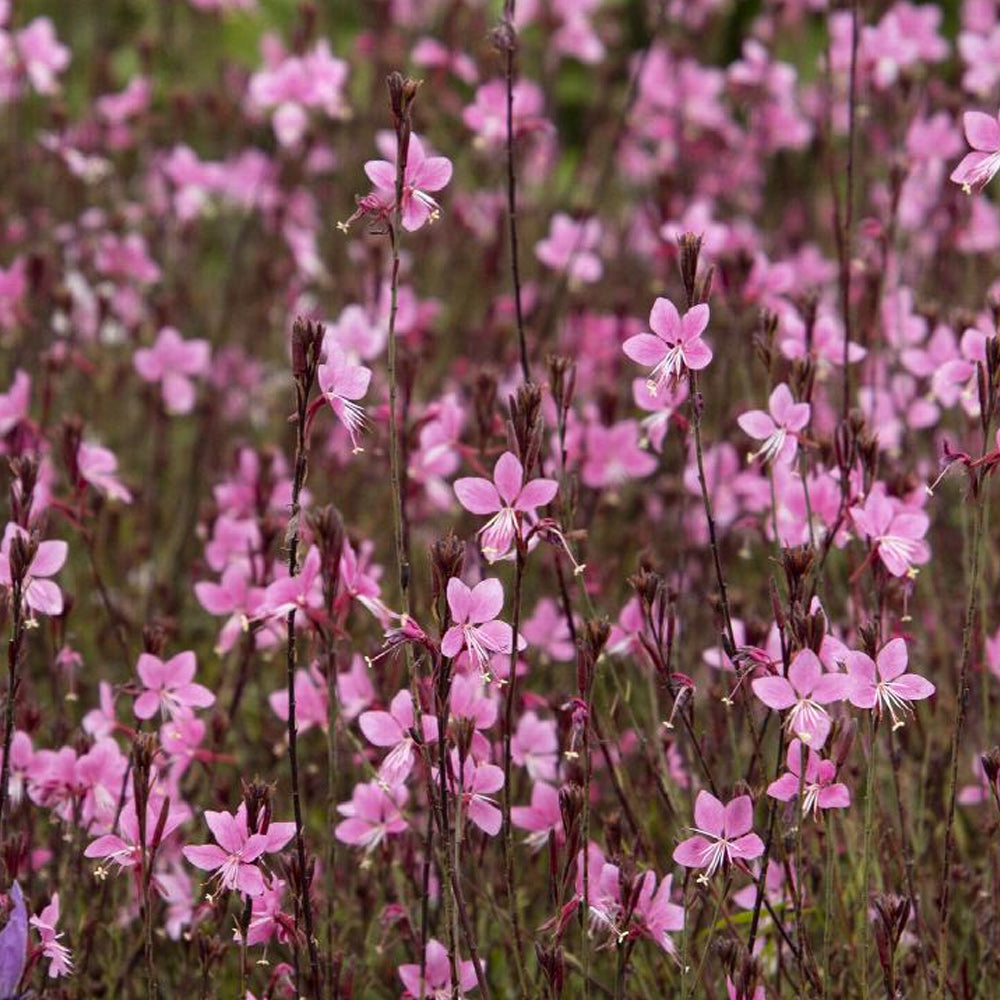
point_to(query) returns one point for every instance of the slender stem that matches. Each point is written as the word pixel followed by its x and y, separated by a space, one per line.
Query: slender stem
pixel 510 698
pixel 510 46
pixel 15 645
pixel 866 851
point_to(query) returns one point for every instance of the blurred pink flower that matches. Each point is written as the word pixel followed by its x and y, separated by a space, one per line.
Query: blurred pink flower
pixel 173 362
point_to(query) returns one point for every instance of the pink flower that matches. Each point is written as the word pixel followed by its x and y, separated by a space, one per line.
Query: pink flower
pixel 342 383
pixel 884 685
pixel 722 835
pixel 476 783
pixel 60 960
pixel 542 817
pixel 570 246
pixel 99 467
pixel 614 456
pixel 476 628
pixel 674 346
pixel 173 361
pixel 535 746
pixel 820 791
pixel 372 815
pixel 779 428
pixel 896 530
pixel 507 497
pixel 40 594
pixel 658 915
pixel 14 403
pixel 806 689
pixel 487 115
pixel 423 173
pixel 393 729
pixel 168 686
pixel 436 981
pixel 310 700
pixel 42 54
pixel 125 850
pixel 979 167
pixel 235 858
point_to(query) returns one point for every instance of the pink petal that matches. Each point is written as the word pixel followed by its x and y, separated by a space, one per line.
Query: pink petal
pixel 709 813
pixel 690 852
pixel 892 659
pixel 982 131
pixel 537 493
pixel 805 671
pixel 748 847
pixel 775 692
pixel 226 830
pixel 694 322
pixel 486 816
pixel 831 687
pixel 434 173
pixel 459 600
pixel 45 597
pixel 478 496
pixel 380 728
pixel 486 601
pixel 452 641
pixel 146 705
pixel 784 788
pixel 834 797
pixel 382 174
pixel 207 857
pixel 508 474
pixel 49 558
pixel 756 423
pixel 645 349
pixel 665 320
pixel 697 355
pixel 739 816
pixel 912 687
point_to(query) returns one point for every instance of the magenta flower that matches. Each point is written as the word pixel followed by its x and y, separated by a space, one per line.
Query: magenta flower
pixel 820 790
pixel 46 922
pixel 372 815
pixel 659 915
pixel 476 783
pixel 884 685
pixel 778 428
pixel 169 686
pixel 40 594
pixel 723 835
pixel 99 467
pixel 476 628
pixel 674 346
pixel 896 530
pixel 507 497
pixel 125 849
pixel 436 984
pixel 173 362
pixel 805 691
pixel 235 858
pixel 394 729
pixel 343 383
pixel 542 817
pixel 423 173
pixel 979 167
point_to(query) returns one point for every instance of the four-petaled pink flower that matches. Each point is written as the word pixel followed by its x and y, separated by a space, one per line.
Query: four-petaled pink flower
pixel 883 684
pixel 506 498
pixel 805 691
pixel 342 384
pixel 820 790
pixel 173 361
pixel 723 835
pixel 60 960
pixel 423 173
pixel 435 983
pixel 372 815
pixel 779 428
pixel 168 686
pixel 541 818
pixel 393 729
pixel 234 855
pixel 979 167
pixel 476 628
pixel 125 849
pixel 99 467
pixel 896 530
pixel 674 345
pixel 659 915
pixel 41 595
pixel 476 782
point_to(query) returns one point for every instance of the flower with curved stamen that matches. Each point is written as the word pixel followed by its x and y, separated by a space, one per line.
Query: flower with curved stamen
pixel 819 789
pixel 722 835
pixel 476 628
pixel 507 498
pixel 342 384
pixel 778 428
pixel 674 346
pixel 805 691
pixel 883 684
pixel 980 166
pixel 168 686
pixel 896 530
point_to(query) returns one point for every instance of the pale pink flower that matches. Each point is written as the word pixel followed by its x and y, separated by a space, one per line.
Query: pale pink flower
pixel 722 837
pixel 394 729
pixel 979 167
pixel 173 362
pixel 435 981
pixel 311 700
pixel 476 628
pixel 40 594
pixel 99 467
pixel 372 815
pixel 805 691
pixel 507 498
pixel 168 686
pixel 674 346
pixel 423 174
pixel 571 247
pixel 342 384
pixel 883 684
pixel 58 955
pixel 476 781
pixel 820 790
pixel 778 428
pixel 42 54
pixel 614 455
pixel 896 530
pixel 124 849
pixel 542 818
pixel 235 860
